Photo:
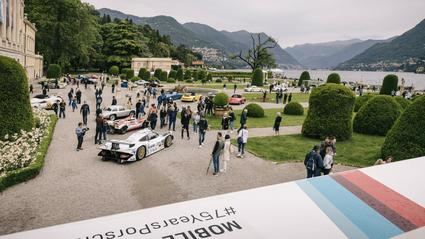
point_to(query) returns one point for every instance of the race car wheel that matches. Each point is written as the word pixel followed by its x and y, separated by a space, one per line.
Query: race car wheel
pixel 124 130
pixel 112 117
pixel 168 141
pixel 141 153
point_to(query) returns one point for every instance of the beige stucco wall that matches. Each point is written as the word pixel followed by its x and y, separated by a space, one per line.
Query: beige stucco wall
pixel 151 64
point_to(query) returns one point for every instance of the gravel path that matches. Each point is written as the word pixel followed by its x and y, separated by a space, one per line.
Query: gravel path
pixel 78 185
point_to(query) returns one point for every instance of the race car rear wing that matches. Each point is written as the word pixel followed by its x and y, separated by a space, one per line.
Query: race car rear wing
pixel 116 144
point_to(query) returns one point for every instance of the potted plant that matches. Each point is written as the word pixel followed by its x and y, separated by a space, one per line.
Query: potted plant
pixel 221 103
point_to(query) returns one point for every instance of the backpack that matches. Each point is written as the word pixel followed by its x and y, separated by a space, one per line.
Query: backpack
pixel 311 164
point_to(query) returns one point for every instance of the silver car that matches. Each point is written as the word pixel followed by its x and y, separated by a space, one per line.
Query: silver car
pixel 114 112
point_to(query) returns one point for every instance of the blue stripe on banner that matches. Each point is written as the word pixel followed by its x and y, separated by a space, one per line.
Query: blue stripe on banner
pixel 340 220
pixel 373 224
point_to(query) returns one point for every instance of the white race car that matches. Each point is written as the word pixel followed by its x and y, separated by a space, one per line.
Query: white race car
pixel 254 89
pixel 45 102
pixel 139 145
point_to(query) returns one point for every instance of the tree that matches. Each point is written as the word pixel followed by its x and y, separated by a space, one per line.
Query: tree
pixel 15 107
pixel 180 75
pixel 209 77
pixel 305 76
pixel 54 71
pixel 389 85
pixel 258 56
pixel 202 74
pixel 334 78
pixel 187 75
pixel 142 72
pixel 157 73
pixel 258 77
pixel 114 70
pixel 129 73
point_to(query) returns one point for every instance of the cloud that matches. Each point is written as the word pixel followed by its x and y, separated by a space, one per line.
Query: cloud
pixel 289 21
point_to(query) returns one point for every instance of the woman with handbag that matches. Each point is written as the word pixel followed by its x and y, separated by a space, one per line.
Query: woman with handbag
pixel 242 140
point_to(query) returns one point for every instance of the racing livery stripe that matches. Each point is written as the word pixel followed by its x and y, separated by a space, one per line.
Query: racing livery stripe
pixel 402 211
pixel 365 218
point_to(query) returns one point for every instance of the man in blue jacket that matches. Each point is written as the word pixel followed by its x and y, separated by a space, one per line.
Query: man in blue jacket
pixel 314 162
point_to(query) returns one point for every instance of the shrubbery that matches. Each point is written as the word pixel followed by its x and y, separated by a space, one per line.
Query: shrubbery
pixel 377 116
pixel 389 84
pixel 219 80
pixel 255 110
pixel 171 80
pixel 172 74
pixel 179 74
pixel 15 106
pixel 187 75
pixel 221 100
pixel 406 139
pixel 54 71
pixel 134 78
pixel 209 78
pixel 190 81
pixel 157 73
pixel 304 77
pixel 258 77
pixel 334 78
pixel 144 74
pixel 402 102
pixel 114 70
pixel 123 76
pixel 293 108
pixel 129 74
pixel 361 101
pixel 164 76
pixel 330 112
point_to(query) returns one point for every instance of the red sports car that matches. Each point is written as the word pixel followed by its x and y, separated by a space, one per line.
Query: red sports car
pixel 237 99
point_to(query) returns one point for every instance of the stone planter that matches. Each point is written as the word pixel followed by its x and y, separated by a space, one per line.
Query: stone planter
pixel 220 111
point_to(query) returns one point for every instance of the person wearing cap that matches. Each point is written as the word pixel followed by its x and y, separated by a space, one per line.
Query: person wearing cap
pixel 314 162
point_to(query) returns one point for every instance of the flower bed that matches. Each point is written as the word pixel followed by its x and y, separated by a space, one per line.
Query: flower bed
pixel 22 155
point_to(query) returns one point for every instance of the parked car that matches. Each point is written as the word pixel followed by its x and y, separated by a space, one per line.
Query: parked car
pixel 254 89
pixel 45 102
pixel 279 88
pixel 191 97
pixel 173 95
pixel 237 99
pixel 142 82
pixel 52 84
pixel 140 144
pixel 122 126
pixel 114 112
pixel 89 80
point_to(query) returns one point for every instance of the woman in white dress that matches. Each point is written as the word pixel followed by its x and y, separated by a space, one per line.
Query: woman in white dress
pixel 227 151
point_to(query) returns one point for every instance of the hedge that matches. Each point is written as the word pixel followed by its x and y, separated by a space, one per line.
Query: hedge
pixel 187 75
pixel 361 101
pixel 31 171
pixel 163 76
pixel 172 74
pixel 171 80
pixel 255 110
pixel 403 102
pixel 389 84
pixel 15 106
pixel 258 77
pixel 293 108
pixel 180 74
pixel 221 100
pixel 377 116
pixel 157 73
pixel 209 77
pixel 330 113
pixel 406 139
pixel 54 71
pixel 334 78
pixel 233 74
pixel 304 77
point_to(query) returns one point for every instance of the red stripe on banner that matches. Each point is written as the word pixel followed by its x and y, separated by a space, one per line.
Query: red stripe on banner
pixel 405 207
pixel 381 208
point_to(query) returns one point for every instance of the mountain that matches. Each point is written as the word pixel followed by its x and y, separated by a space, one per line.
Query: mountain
pixel 201 35
pixel 401 53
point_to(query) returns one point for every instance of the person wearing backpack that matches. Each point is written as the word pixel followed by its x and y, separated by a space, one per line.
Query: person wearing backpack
pixel 328 161
pixel 232 117
pixel 313 162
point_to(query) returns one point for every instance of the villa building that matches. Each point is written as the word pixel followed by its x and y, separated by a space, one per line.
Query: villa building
pixel 17 37
pixel 152 64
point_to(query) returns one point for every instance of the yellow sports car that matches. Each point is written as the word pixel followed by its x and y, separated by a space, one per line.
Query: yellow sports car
pixel 190 97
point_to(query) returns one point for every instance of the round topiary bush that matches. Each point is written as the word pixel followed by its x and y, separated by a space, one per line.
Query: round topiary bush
pixel 172 74
pixel 406 139
pixel 209 78
pixel 330 112
pixel 171 80
pixel 15 107
pixel 334 78
pixel 129 74
pixel 114 70
pixel 180 74
pixel 123 76
pixel 134 78
pixel 361 101
pixel 402 102
pixel 293 108
pixel 221 100
pixel 305 76
pixel 258 77
pixel 142 73
pixel 219 80
pixel 54 71
pixel 164 76
pixel 255 110
pixel 377 116
pixel 389 84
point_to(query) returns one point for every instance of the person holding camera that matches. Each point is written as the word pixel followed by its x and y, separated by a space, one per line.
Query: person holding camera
pixel 80 131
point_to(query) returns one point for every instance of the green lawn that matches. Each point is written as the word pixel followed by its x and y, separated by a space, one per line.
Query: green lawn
pixel 217 86
pixel 258 97
pixel 360 151
pixel 267 121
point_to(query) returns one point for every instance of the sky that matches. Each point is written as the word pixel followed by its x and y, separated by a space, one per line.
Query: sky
pixel 289 21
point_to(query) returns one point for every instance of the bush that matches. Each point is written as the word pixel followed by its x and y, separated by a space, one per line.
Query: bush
pixel 163 76
pixel 114 70
pixel 258 77
pixel 221 100
pixel 293 108
pixel 134 78
pixel 202 74
pixel 142 72
pixel 15 106
pixel 219 80
pixel 402 102
pixel 361 101
pixel 209 78
pixel 334 78
pixel 157 73
pixel 255 110
pixel 187 75
pixel 129 74
pixel 179 74
pixel 195 75
pixel 123 76
pixel 406 139
pixel 377 116
pixel 54 71
pixel 330 112
pixel 31 171
pixel 389 84
pixel 304 77
pixel 171 80
pixel 172 74
pixel 189 81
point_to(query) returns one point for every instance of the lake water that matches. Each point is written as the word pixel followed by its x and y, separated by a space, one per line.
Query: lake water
pixel 365 77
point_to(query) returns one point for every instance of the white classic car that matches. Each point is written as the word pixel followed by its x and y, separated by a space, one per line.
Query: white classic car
pixel 45 102
pixel 139 145
pixel 254 89
pixel 114 112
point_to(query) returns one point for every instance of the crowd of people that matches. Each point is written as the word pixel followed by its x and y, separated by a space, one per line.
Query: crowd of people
pixel 320 159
